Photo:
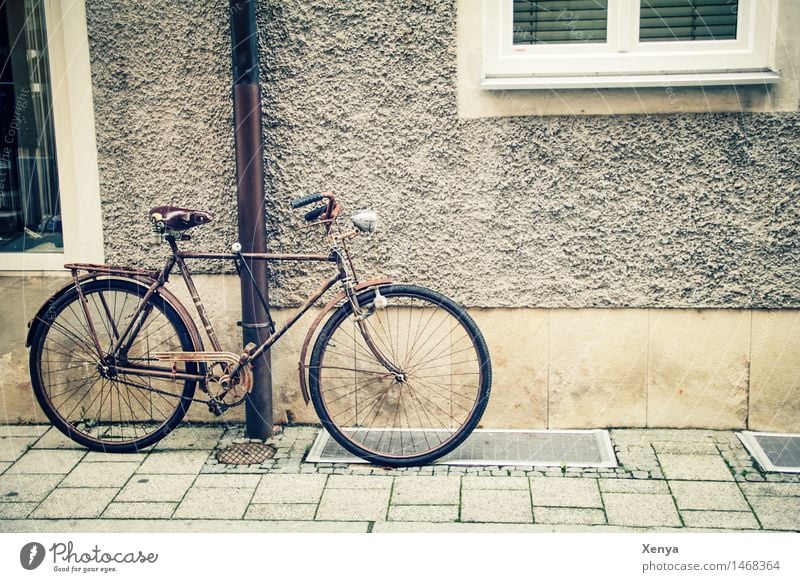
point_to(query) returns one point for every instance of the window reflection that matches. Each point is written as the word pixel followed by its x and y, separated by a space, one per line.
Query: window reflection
pixel 30 207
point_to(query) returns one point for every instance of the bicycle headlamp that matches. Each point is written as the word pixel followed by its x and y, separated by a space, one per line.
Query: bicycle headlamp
pixel 365 220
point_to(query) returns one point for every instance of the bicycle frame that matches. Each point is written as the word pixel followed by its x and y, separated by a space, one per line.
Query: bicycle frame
pixel 158 279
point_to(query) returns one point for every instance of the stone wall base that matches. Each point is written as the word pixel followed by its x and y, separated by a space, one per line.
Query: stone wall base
pixel 553 368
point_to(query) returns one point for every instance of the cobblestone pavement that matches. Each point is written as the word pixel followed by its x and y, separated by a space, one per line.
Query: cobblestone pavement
pixel 689 479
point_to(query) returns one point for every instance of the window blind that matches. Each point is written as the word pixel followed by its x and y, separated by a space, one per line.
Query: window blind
pixel 664 20
pixel 560 21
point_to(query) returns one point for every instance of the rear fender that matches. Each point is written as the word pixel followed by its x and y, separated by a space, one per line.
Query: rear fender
pixel 39 318
pixel 302 367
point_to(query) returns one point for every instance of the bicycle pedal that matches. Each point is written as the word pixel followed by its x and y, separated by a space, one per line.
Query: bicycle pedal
pixel 217 408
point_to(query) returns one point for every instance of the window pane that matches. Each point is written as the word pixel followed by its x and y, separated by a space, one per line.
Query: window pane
pixel 30 208
pixel 560 21
pixel 663 20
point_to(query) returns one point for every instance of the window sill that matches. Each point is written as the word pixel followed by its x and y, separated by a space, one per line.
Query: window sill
pixel 32 261
pixel 632 81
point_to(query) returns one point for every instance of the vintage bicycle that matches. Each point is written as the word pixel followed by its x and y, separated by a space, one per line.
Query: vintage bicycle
pixel 398 375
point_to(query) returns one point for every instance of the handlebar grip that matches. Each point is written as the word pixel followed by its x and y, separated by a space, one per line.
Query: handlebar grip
pixel 306 200
pixel 316 213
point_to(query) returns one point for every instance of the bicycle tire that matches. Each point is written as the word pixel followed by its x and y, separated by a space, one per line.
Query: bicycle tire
pixel 63 338
pixel 408 394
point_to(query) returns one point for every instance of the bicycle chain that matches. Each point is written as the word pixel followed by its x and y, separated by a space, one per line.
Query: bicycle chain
pixel 157 391
pixel 163 392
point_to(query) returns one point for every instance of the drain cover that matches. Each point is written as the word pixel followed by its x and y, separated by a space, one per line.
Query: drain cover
pixel 572 448
pixel 245 454
pixel 774 452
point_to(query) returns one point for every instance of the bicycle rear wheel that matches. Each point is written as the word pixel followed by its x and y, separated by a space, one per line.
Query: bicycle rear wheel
pixel 100 410
pixel 428 405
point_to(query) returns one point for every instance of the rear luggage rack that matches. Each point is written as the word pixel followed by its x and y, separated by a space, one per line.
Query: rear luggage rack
pixel 111 269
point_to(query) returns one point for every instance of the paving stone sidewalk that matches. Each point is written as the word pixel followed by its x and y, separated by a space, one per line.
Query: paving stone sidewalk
pixel 666 480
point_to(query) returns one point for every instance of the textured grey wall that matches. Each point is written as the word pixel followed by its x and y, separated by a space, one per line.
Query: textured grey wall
pixel 668 211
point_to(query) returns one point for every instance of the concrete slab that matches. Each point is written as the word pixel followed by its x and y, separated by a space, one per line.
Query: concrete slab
pixel 778 513
pixel 139 510
pixel 55 439
pixel 178 526
pixel 560 492
pixel 3 467
pixel 228 481
pixel 708 495
pixel 771 489
pixel 97 457
pixel 442 490
pixel 569 515
pixel 495 483
pixel 281 511
pixel 12 448
pixel 16 510
pixel 421 499
pixel 720 519
pixel 195 437
pixel 432 527
pixel 20 488
pixel 155 488
pixel 433 513
pixel 694 467
pixel 75 503
pixel 213 503
pixel 641 510
pixel 640 486
pixel 46 462
pixel 685 448
pixel 100 475
pixel 359 482
pixel 174 462
pixel 353 505
pixel 23 430
pixel 496 505
pixel 290 489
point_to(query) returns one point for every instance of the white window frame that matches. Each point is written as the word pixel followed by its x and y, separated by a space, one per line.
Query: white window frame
pixel 76 149
pixel 622 60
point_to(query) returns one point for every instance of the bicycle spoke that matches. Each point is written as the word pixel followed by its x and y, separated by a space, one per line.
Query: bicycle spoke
pixel 354 391
pixel 425 405
pixel 93 402
pixel 441 354
pixel 443 394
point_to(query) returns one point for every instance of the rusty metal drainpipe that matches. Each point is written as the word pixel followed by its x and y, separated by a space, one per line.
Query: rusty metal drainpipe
pixel 250 187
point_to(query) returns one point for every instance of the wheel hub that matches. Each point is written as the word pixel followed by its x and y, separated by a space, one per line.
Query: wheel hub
pixel 106 371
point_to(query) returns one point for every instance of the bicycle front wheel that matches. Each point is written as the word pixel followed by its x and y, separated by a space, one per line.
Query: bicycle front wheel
pixel 429 398
pixel 100 409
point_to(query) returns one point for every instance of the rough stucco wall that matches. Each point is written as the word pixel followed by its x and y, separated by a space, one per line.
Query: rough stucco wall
pixel 160 75
pixel 623 211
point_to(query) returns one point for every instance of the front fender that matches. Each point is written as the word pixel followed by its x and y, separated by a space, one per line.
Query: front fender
pixel 301 365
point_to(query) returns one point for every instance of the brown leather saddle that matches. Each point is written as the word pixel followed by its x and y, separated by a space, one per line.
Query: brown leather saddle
pixel 176 218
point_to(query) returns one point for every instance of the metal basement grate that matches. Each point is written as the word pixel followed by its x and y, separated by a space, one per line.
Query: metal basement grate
pixel 571 448
pixel 245 454
pixel 774 452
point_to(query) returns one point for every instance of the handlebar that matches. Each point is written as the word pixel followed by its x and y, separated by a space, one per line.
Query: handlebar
pixel 326 214
pixel 306 200
pixel 316 213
